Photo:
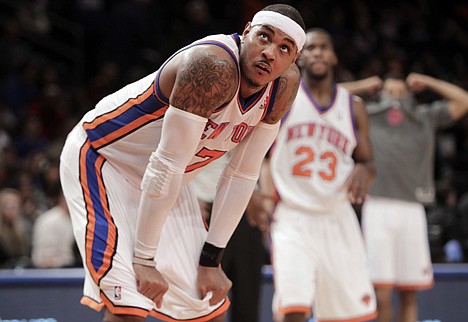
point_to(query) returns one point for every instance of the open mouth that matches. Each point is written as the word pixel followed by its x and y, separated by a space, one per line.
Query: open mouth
pixel 263 68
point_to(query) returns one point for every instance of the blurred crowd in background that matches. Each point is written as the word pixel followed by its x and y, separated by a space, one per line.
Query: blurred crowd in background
pixel 58 58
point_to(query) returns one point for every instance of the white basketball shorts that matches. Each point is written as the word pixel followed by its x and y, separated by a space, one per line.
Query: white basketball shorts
pixel 103 208
pixel 396 238
pixel 319 263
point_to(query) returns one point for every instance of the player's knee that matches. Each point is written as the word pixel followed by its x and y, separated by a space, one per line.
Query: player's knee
pixel 407 298
pixel 294 317
pixel 384 295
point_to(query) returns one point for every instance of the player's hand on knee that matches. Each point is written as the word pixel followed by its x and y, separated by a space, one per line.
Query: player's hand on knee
pixel 150 283
pixel 213 279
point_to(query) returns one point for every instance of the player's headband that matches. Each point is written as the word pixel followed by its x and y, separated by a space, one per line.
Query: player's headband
pixel 285 24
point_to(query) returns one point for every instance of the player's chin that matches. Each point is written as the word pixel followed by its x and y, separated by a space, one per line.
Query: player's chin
pixel 263 78
pixel 257 81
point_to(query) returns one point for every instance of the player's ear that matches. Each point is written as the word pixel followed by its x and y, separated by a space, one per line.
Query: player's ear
pixel 296 58
pixel 247 28
pixel 299 60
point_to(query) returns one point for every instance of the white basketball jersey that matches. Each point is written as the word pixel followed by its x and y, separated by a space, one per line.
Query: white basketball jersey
pixel 125 127
pixel 312 155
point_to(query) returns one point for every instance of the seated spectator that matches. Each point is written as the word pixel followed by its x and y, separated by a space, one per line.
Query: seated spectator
pixel 14 231
pixel 53 242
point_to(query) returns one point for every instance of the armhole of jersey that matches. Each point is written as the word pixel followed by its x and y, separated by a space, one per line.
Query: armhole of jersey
pixel 271 102
pixel 352 115
pixel 157 92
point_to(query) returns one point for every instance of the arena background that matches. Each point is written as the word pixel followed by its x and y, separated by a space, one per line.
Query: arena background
pixel 59 57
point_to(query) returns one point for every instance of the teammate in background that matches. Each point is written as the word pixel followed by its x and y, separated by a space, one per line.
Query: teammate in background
pixel 403 135
pixel 126 165
pixel 321 163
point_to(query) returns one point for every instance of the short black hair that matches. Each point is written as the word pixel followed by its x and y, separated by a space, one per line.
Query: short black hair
pixel 287 11
pixel 323 31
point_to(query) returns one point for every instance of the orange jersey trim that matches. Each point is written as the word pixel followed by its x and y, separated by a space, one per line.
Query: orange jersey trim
pixel 296 309
pixel 90 168
pixel 91 303
pixel 366 317
pixel 424 286
pixel 111 307
pixel 128 310
pixel 220 310
pixel 124 119
pixel 130 127
pixel 123 108
pixel 416 286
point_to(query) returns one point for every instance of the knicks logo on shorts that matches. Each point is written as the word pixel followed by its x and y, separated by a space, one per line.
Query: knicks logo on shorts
pixel 117 293
pixel 366 299
pixel 427 271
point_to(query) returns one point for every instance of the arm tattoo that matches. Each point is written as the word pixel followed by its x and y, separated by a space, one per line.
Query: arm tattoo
pixel 204 83
pixel 278 112
pixel 293 94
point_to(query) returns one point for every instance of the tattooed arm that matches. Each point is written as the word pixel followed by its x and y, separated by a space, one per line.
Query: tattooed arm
pixel 287 91
pixel 199 80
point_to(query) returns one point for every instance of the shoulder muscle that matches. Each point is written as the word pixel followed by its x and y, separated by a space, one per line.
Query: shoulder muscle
pixel 206 78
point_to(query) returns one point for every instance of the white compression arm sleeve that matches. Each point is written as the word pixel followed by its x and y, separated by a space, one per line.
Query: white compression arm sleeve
pixel 238 183
pixel 181 133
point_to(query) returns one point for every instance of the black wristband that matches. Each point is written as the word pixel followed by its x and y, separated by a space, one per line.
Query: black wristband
pixel 211 255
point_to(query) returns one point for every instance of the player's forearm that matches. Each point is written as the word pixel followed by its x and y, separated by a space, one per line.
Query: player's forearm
pixel 371 171
pixel 366 86
pixel 238 183
pixel 448 90
pixel 357 87
pixel 457 96
pixel 231 200
pixel 163 177
pixel 152 214
pixel 265 182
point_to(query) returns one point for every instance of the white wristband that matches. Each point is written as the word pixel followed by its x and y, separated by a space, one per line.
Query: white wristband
pixel 144 262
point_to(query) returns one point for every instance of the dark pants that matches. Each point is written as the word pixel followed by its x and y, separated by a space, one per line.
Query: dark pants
pixel 242 262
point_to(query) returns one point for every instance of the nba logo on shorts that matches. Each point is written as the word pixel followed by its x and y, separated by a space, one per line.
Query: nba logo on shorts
pixel 117 292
